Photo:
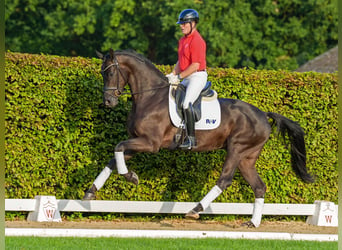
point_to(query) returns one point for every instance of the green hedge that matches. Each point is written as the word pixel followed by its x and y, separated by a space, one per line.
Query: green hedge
pixel 59 137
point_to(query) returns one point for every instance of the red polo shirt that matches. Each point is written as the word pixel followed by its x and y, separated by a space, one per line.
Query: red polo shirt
pixel 192 49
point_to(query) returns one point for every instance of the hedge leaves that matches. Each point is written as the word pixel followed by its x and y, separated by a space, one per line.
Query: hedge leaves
pixel 59 137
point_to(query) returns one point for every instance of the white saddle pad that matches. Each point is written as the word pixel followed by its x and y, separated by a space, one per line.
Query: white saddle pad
pixel 210 113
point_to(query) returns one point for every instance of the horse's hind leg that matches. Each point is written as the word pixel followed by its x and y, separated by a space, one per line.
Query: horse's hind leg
pixel 225 180
pixel 248 171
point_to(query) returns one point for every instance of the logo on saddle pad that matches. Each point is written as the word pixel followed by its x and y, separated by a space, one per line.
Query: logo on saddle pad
pixel 206 108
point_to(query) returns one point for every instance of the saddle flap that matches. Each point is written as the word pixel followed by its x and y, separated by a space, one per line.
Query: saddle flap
pixel 210 117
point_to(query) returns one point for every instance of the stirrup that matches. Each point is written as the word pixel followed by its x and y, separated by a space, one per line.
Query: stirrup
pixel 189 143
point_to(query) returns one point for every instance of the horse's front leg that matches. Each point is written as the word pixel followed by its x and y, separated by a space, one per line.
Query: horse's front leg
pixel 137 144
pixel 123 152
pixel 122 168
pixel 106 172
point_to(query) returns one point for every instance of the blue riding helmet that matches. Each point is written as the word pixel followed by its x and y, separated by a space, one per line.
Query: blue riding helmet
pixel 187 16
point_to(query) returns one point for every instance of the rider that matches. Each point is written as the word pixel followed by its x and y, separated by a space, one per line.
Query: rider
pixel 191 67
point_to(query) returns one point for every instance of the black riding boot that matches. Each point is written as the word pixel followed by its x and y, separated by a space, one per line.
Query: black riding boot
pixel 189 117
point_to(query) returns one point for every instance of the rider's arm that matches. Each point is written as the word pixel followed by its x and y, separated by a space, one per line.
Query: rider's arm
pixel 176 69
pixel 189 70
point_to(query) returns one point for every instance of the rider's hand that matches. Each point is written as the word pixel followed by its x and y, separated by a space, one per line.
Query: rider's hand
pixel 173 79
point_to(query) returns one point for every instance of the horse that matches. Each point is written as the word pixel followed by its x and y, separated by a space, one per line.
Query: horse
pixel 243 131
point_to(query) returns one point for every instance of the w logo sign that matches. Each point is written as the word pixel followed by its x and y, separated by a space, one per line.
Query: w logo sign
pixel 325 214
pixel 328 218
pixel 46 210
pixel 49 210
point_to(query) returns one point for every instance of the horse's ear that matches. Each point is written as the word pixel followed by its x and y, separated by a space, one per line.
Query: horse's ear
pixel 111 53
pixel 99 54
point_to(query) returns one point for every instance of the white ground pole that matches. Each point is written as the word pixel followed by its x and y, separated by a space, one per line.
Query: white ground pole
pixel 125 233
pixel 106 172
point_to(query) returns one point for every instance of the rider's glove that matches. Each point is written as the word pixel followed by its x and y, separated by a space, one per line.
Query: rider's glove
pixel 173 79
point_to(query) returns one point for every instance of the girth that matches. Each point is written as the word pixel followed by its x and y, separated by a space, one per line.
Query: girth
pixel 179 95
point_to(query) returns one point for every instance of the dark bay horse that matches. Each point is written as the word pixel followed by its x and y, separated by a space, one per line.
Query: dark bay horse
pixel 243 131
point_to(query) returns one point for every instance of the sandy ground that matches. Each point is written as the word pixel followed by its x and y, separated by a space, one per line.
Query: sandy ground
pixel 288 227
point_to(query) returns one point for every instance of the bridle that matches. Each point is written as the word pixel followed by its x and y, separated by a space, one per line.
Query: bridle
pixel 117 91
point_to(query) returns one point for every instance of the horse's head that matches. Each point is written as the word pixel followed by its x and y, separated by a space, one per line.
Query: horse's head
pixel 113 78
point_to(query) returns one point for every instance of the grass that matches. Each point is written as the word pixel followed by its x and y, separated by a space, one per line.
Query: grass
pixel 70 243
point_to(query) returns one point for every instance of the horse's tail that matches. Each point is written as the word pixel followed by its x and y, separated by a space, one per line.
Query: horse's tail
pixel 295 135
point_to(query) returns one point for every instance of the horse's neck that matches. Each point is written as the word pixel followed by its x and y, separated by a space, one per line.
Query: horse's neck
pixel 145 91
pixel 148 95
pixel 144 81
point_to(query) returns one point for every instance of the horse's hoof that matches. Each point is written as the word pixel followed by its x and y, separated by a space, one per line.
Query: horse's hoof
pixel 132 177
pixel 248 224
pixel 193 215
pixel 89 195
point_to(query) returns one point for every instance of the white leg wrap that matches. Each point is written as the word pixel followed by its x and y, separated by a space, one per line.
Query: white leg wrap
pixel 102 177
pixel 120 163
pixel 257 211
pixel 212 195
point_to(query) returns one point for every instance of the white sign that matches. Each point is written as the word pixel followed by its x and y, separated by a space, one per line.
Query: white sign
pixel 325 215
pixel 46 210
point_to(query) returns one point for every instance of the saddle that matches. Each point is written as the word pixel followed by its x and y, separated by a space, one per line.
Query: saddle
pixel 179 95
pixel 206 108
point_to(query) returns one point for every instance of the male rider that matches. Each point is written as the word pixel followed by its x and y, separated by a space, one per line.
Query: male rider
pixel 190 69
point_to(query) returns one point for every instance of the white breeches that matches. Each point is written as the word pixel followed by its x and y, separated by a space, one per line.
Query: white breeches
pixel 194 85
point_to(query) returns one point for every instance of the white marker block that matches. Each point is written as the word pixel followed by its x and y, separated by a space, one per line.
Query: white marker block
pixel 325 215
pixel 46 210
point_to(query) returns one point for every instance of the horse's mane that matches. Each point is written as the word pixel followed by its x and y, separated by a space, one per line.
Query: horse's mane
pixel 140 57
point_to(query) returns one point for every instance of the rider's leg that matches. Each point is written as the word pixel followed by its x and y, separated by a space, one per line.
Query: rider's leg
pixel 194 85
pixel 189 118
